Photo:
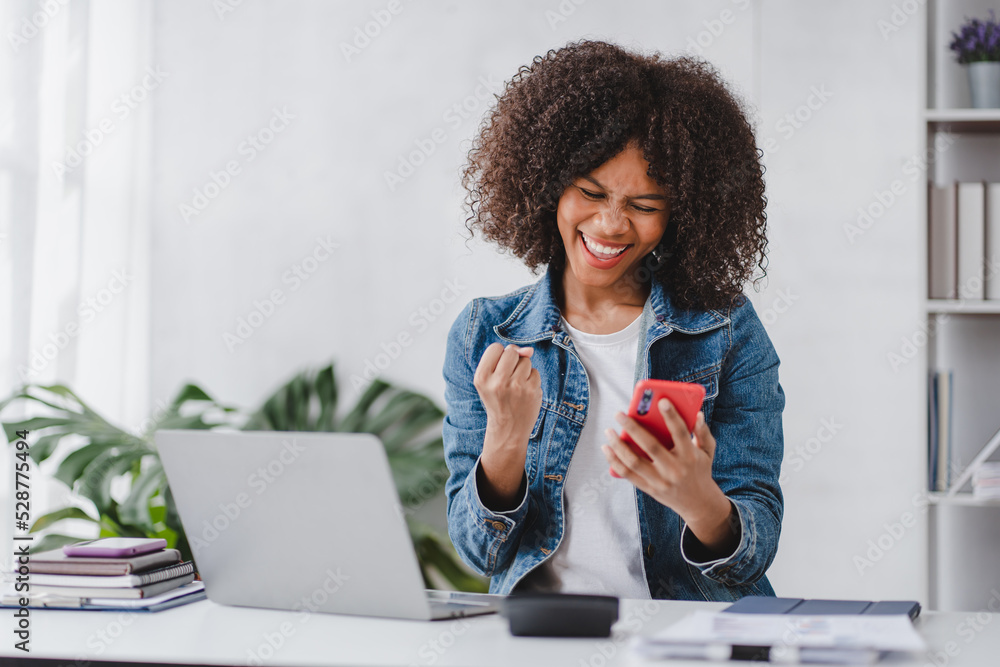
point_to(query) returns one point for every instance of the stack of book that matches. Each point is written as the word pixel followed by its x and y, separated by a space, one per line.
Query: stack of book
pixel 141 581
pixel 986 481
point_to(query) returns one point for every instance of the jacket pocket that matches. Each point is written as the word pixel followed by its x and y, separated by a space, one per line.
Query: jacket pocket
pixel 709 379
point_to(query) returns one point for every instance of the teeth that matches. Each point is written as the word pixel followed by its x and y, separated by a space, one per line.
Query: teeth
pixel 604 250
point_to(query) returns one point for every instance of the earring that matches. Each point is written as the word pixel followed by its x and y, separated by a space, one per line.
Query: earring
pixel 660 254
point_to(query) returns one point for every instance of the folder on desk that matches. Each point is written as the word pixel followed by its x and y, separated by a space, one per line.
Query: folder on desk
pixel 767 605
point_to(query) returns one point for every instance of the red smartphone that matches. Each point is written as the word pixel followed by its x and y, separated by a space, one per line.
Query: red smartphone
pixel 115 547
pixel 686 397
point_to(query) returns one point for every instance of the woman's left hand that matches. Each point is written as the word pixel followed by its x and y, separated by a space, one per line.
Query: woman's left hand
pixel 680 477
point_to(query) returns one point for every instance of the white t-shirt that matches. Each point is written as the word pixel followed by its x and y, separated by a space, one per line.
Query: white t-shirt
pixel 601 550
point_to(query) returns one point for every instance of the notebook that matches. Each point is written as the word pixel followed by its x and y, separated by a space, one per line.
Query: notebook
pixel 56 562
pixel 753 604
pixel 185 594
pixel 149 590
pixel 113 581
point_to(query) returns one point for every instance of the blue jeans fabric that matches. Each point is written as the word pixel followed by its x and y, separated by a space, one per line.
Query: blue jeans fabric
pixel 726 351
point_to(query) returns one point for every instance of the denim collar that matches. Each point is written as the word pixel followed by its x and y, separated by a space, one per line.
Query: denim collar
pixel 536 317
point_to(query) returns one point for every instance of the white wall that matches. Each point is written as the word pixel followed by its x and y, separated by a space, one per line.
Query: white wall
pixel 833 307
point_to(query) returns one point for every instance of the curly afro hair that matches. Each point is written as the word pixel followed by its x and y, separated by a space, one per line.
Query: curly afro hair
pixel 576 107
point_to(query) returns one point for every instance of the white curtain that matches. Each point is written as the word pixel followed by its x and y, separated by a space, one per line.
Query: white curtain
pixel 76 82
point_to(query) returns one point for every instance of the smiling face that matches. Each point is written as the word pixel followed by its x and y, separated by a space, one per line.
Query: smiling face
pixel 610 219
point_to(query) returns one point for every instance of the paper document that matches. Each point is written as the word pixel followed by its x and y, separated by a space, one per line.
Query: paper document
pixel 712 634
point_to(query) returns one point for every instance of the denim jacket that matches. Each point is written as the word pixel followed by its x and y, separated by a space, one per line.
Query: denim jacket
pixel 728 352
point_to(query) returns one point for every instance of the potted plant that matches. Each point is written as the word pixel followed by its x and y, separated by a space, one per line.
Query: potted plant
pixel 977 46
pixel 407 423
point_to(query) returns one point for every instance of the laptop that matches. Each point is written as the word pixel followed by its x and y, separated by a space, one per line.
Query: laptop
pixel 301 521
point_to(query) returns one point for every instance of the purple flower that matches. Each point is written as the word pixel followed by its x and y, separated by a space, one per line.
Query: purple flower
pixel 977 40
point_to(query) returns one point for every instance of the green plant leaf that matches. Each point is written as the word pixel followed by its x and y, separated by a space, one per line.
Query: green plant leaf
pixel 432 551
pixel 326 391
pixel 190 392
pixel 135 509
pixel 352 421
pixel 95 483
pixel 33 424
pixel 46 520
pixel 403 433
pixel 72 467
pixel 26 393
pixel 396 409
pixel 42 448
pixel 419 475
pixel 173 522
pixel 186 422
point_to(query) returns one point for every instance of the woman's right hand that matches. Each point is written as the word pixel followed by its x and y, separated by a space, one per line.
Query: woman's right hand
pixel 511 392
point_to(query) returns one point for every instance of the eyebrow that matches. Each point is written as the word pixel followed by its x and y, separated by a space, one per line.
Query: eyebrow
pixel 650 196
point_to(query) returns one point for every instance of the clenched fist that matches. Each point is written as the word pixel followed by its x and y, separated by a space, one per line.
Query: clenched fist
pixel 511 392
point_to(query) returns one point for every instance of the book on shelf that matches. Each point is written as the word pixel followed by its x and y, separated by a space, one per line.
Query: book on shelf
pixel 939 445
pixel 942 237
pixel 963 240
pixel 57 562
pixel 971 239
pixel 992 290
pixel 932 434
pixel 986 481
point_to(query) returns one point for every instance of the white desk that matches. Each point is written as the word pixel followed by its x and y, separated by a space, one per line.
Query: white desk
pixel 204 632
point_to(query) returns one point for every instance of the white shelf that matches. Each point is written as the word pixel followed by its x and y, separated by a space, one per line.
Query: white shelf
pixel 964 120
pixel 959 115
pixel 961 499
pixel 969 307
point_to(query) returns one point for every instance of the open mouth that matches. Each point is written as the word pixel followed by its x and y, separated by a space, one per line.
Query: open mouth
pixel 604 254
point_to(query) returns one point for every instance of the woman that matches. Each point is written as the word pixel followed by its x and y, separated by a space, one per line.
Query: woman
pixel 636 181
